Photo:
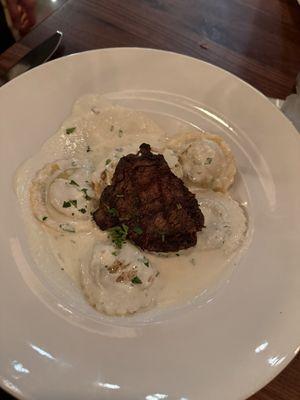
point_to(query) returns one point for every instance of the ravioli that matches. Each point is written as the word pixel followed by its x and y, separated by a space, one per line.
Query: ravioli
pixel 225 222
pixel 61 196
pixel 206 160
pixel 119 282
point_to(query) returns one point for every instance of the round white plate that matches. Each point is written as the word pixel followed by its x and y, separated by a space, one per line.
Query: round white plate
pixel 226 345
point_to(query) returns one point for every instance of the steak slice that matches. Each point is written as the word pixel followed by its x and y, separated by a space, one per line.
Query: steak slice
pixel 161 214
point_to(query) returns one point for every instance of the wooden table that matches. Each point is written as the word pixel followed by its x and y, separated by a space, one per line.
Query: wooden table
pixel 258 40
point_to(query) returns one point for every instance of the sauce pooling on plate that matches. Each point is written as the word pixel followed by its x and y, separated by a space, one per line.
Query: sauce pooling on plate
pixel 59 190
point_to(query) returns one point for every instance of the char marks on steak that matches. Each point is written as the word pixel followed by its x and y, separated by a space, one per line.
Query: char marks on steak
pixel 162 215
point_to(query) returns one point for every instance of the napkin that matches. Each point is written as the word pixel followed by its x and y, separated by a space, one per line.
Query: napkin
pixel 291 106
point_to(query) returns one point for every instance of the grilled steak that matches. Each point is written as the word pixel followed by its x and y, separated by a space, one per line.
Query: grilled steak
pixel 151 203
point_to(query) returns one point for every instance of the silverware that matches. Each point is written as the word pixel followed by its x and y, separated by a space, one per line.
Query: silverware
pixel 35 57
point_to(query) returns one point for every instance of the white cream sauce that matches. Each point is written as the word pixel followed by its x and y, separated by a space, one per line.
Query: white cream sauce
pixel 102 129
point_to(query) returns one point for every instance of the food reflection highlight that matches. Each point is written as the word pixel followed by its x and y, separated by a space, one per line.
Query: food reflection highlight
pixel 108 385
pixel 19 367
pixel 135 216
pixel 261 347
pixel 274 361
pixel 42 352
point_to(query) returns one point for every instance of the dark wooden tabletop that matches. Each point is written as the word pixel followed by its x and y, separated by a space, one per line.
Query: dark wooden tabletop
pixel 258 40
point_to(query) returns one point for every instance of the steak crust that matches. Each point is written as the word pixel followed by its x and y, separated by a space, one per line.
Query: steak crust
pixel 161 214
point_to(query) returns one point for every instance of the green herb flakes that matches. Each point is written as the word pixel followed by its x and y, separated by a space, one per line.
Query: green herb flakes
pixel 86 196
pixel 138 230
pixel 114 253
pixel 136 280
pixel 67 228
pixel 146 262
pixel 107 161
pixel 88 149
pixel 118 235
pixel 113 212
pixel 69 203
pixel 208 161
pixel 120 133
pixel 82 210
pixel 179 206
pixel 74 203
pixel 120 195
pixel 162 237
pixel 73 183
pixel 70 130
pixel 112 128
pixel 44 218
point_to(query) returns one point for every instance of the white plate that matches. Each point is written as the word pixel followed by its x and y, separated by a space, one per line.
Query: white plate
pixel 226 345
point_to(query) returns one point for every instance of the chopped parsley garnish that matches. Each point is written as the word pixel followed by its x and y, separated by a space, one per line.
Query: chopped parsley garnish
pixel 114 253
pixel 73 183
pixel 74 203
pixel 192 261
pixel 111 128
pixel 136 280
pixel 70 130
pixel 208 161
pixel 44 218
pixel 120 132
pixel 138 230
pixel 162 237
pixel 177 254
pixel 157 273
pixel 107 161
pixel 118 235
pixel 88 149
pixel 113 212
pixel 82 210
pixel 146 262
pixel 86 196
pixel 120 195
pixel 70 203
pixel 67 228
pixel 179 206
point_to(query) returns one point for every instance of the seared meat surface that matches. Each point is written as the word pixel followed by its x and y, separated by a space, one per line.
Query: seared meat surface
pixel 161 214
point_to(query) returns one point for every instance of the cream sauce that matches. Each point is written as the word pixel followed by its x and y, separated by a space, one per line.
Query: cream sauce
pixel 101 129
